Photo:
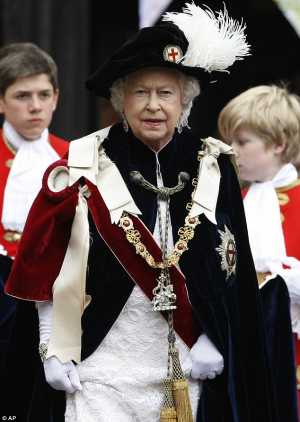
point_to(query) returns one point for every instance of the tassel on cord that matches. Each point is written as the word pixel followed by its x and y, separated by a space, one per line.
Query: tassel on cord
pixel 168 411
pixel 176 402
pixel 216 41
pixel 181 391
pixel 182 401
pixel 168 414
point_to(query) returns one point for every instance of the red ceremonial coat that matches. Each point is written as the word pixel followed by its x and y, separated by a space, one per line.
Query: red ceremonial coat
pixel 289 201
pixel 10 240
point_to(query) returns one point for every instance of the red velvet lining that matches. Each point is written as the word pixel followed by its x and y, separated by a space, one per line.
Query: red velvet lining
pixel 44 242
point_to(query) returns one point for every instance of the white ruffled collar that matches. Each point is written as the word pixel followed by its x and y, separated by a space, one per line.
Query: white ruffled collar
pixel 25 177
pixel 264 221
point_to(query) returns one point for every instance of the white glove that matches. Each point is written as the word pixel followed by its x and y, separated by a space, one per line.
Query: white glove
pixel 61 376
pixel 45 310
pixel 3 251
pixel 291 277
pixel 207 362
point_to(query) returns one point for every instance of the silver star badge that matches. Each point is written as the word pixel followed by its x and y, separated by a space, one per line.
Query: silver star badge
pixel 227 251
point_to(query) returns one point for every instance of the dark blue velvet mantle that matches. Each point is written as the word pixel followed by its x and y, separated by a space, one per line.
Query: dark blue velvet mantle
pixel 229 310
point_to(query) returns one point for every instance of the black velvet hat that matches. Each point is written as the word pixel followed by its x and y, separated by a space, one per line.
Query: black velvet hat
pixel 195 42
pixel 159 46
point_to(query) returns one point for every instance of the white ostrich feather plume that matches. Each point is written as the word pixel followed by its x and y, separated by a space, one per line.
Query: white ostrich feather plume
pixel 215 40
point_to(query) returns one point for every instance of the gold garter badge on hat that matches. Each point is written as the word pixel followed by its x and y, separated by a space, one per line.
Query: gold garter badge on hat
pixel 227 251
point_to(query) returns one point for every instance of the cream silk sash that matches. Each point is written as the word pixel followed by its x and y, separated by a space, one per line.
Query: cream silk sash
pixel 88 159
pixel 207 190
pixel 69 297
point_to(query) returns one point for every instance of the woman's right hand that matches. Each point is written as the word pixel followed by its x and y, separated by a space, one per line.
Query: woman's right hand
pixel 62 376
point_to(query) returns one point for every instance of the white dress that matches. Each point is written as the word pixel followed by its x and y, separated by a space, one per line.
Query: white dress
pixel 122 379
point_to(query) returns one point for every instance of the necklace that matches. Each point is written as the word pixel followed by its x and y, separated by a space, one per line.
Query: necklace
pixel 164 297
pixel 186 233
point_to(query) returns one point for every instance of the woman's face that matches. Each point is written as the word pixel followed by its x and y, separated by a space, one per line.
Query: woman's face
pixel 153 105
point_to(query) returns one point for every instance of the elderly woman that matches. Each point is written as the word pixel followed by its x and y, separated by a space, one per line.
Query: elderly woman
pixel 149 284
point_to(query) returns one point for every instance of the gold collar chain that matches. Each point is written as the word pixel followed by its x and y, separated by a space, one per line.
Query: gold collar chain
pixel 186 233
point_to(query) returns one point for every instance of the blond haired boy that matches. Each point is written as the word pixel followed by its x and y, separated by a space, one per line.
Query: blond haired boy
pixel 263 126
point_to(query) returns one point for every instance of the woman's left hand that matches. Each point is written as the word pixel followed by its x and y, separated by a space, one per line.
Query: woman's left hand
pixel 207 361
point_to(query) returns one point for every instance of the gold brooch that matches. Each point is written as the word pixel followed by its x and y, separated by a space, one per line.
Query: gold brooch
pixel 11 236
pixel 9 162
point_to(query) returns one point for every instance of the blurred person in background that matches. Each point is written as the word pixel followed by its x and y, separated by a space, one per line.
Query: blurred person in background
pixel 262 124
pixel 28 98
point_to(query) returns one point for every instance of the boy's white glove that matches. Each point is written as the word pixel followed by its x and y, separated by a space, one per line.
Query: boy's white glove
pixel 207 362
pixel 290 275
pixel 292 280
pixel 60 376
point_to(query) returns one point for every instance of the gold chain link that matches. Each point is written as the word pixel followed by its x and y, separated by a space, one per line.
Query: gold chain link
pixel 186 233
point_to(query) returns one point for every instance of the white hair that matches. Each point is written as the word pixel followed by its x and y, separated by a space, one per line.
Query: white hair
pixel 190 89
